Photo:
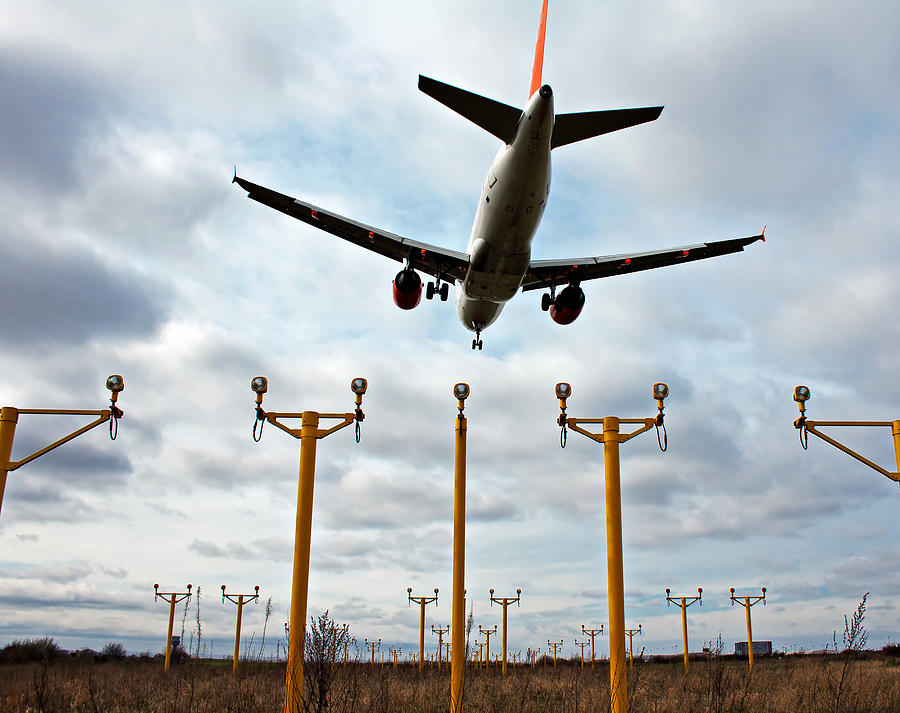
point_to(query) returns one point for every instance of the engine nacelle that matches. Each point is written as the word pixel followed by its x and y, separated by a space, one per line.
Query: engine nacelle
pixel 567 305
pixel 407 289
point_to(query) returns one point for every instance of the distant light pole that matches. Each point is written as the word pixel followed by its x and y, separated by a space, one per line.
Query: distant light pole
pixel 9 417
pixel 611 437
pixel 172 598
pixel 581 645
pixel 555 645
pixel 373 645
pixel 592 633
pixel 802 395
pixel 309 433
pixel 505 602
pixel 440 633
pixel 683 603
pixel 487 635
pixel 747 602
pixel 630 634
pixel 395 653
pixel 422 601
pixel 240 601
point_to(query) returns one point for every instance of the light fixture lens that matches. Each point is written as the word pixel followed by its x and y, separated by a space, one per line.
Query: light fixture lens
pixel 115 383
pixel 563 390
pixel 461 391
pixel 801 393
pixel 359 385
pixel 259 384
pixel 660 391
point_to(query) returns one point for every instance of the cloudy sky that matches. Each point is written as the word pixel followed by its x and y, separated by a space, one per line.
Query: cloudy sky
pixel 124 248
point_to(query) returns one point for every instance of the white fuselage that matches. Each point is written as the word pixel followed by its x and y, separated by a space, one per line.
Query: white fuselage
pixel 509 211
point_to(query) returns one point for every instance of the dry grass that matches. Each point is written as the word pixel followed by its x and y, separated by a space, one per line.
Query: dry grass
pixel 716 685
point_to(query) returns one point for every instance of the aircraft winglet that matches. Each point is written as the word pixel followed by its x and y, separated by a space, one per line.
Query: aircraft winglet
pixel 763 234
pixel 538 68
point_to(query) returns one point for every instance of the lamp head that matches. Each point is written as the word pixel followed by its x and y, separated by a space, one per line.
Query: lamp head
pixel 189 589
pixel 764 591
pixel 115 383
pixel 660 392
pixel 801 396
pixel 256 589
pixel 461 391
pixel 491 591
pixel 223 589
pixel 259 385
pixel 358 386
pixel 518 590
pixel 409 590
pixel 563 390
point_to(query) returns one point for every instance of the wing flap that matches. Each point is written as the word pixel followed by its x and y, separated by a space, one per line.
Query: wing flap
pixel 439 262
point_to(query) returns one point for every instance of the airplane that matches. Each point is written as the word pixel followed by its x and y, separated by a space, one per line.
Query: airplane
pixel 497 262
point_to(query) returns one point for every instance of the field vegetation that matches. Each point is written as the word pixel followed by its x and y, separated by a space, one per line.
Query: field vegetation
pixel 714 684
pixel 37 676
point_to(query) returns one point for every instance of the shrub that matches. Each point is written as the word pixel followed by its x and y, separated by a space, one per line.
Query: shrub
pixel 30 650
pixel 114 650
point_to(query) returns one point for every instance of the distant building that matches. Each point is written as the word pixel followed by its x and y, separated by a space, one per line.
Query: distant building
pixel 760 648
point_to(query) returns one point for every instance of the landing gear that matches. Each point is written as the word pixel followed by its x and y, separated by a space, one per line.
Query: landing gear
pixel 477 343
pixel 548 298
pixel 436 288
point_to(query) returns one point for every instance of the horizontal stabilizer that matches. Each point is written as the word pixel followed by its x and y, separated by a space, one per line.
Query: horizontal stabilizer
pixel 499 119
pixel 570 128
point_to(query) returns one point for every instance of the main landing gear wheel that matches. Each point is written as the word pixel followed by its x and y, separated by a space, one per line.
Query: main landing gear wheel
pixel 436 288
pixel 546 301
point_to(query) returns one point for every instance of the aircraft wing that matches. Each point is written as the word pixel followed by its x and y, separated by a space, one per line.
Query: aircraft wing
pixel 544 273
pixel 449 265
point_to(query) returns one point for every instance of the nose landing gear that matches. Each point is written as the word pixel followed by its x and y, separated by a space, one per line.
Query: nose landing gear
pixel 477 343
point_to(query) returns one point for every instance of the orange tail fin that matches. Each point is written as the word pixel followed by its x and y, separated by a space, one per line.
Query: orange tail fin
pixel 539 53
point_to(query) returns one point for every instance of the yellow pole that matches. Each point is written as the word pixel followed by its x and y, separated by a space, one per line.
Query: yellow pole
pixel 895 430
pixel 749 632
pixel 614 569
pixel 422 635
pixel 684 640
pixel 169 634
pixel 237 634
pixel 458 619
pixel 503 669
pixel 9 416
pixel 293 692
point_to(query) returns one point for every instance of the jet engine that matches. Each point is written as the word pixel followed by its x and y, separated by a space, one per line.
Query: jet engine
pixel 567 305
pixel 407 289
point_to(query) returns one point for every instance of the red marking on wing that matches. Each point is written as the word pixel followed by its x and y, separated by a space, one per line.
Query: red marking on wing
pixel 314 214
